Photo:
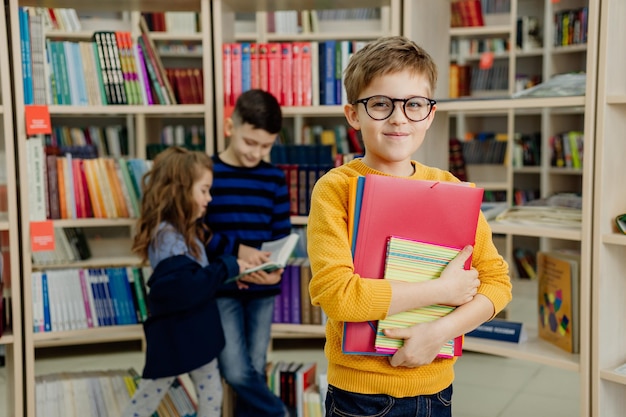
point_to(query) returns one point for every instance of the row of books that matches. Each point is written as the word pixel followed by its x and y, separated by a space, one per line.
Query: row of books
pixel 70 246
pixel 296 73
pixel 58 19
pixel 172 22
pixel 90 141
pixel 298 386
pixel 77 298
pixel 464 13
pixel 103 393
pixel 62 186
pixel 527 149
pixel 485 148
pixel 301 179
pixel 110 69
pixel 570 27
pixel 567 149
pixel 293 304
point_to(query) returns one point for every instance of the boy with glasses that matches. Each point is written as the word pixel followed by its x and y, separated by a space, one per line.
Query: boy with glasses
pixel 389 84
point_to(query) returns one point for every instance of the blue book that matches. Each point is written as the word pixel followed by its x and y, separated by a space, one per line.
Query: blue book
pixel 327 64
pixel 246 68
pixel 46 302
pixel 129 303
pixel 83 100
pixel 72 76
pixel 294 296
pixel 502 330
pixel 92 276
pixel 111 286
pixel 27 69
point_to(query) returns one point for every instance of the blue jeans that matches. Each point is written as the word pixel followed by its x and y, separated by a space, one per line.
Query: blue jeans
pixel 247 326
pixel 340 403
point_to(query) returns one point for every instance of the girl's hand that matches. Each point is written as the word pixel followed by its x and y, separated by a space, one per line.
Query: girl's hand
pixel 253 255
pixel 458 285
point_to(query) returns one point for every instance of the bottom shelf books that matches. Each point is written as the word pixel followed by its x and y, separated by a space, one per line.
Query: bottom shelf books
pixel 296 384
pixel 102 393
pixel 558 302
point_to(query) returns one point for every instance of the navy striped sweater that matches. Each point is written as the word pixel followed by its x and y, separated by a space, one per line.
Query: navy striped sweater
pixel 250 206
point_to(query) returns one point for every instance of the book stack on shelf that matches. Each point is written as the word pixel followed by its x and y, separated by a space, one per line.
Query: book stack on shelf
pixel 73 298
pixel 104 393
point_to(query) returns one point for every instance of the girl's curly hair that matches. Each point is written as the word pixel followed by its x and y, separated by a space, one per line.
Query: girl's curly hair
pixel 168 196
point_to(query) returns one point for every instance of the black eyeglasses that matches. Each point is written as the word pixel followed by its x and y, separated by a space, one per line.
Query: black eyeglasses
pixel 415 108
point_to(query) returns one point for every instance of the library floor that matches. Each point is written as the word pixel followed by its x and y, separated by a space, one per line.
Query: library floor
pixel 485 385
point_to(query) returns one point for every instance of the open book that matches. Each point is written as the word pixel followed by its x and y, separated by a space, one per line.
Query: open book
pixel 281 250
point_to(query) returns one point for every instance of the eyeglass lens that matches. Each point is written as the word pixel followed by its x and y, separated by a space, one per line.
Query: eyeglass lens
pixel 381 107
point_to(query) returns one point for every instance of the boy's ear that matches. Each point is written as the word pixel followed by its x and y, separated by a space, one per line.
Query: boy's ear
pixel 229 125
pixel 352 116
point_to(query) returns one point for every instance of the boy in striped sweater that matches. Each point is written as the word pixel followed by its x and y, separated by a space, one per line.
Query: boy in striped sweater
pixel 250 206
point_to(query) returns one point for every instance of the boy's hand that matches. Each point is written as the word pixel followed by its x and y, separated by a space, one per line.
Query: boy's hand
pixel 458 285
pixel 421 345
pixel 263 277
pixel 253 255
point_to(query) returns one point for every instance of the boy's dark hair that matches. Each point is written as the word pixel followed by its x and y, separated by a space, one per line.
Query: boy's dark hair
pixel 260 109
pixel 387 55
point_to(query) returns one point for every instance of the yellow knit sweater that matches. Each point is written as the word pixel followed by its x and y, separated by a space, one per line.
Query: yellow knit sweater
pixel 344 296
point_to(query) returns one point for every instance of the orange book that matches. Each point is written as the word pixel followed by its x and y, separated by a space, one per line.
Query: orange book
pixel 95 194
pixel 116 188
pixel 61 187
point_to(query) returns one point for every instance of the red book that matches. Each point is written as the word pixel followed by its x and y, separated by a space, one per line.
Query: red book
pixel 274 69
pixel 263 51
pixel 296 74
pixel 287 67
pixel 226 69
pixel 441 213
pixel 307 74
pixel 235 71
pixel 255 75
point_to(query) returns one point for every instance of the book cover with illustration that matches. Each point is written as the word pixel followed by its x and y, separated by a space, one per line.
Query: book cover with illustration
pixel 558 275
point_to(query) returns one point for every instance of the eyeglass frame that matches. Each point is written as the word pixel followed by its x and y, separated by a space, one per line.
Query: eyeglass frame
pixel 431 103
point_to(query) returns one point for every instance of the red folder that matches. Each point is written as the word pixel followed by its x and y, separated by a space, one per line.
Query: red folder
pixel 442 213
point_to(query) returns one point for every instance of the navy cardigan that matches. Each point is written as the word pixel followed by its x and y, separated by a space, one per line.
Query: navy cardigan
pixel 183 331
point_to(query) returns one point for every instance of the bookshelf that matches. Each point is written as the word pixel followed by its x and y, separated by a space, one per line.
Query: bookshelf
pixel 495 111
pixel 609 285
pixel 11 338
pixel 231 25
pixel 109 238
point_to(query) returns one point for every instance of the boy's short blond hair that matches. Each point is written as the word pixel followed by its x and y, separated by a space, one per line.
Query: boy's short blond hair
pixel 384 56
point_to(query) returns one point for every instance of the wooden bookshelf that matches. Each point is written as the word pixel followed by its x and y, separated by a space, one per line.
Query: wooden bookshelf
pixel 608 335
pixel 547 115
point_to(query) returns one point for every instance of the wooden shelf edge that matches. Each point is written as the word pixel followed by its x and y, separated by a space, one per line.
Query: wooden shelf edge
pixel 295 331
pixel 611 375
pixel 533 350
pixel 88 336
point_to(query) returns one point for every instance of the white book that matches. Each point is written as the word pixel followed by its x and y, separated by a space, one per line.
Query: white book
pixel 281 251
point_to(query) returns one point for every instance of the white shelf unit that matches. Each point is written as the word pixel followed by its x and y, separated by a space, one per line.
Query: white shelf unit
pixel 110 240
pixel 549 116
pixel 294 117
pixel 609 253
pixel 11 340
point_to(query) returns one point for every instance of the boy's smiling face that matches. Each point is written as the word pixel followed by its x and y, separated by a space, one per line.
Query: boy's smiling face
pixel 390 143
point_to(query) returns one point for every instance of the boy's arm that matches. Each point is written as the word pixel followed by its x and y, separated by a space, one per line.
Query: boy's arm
pixel 221 244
